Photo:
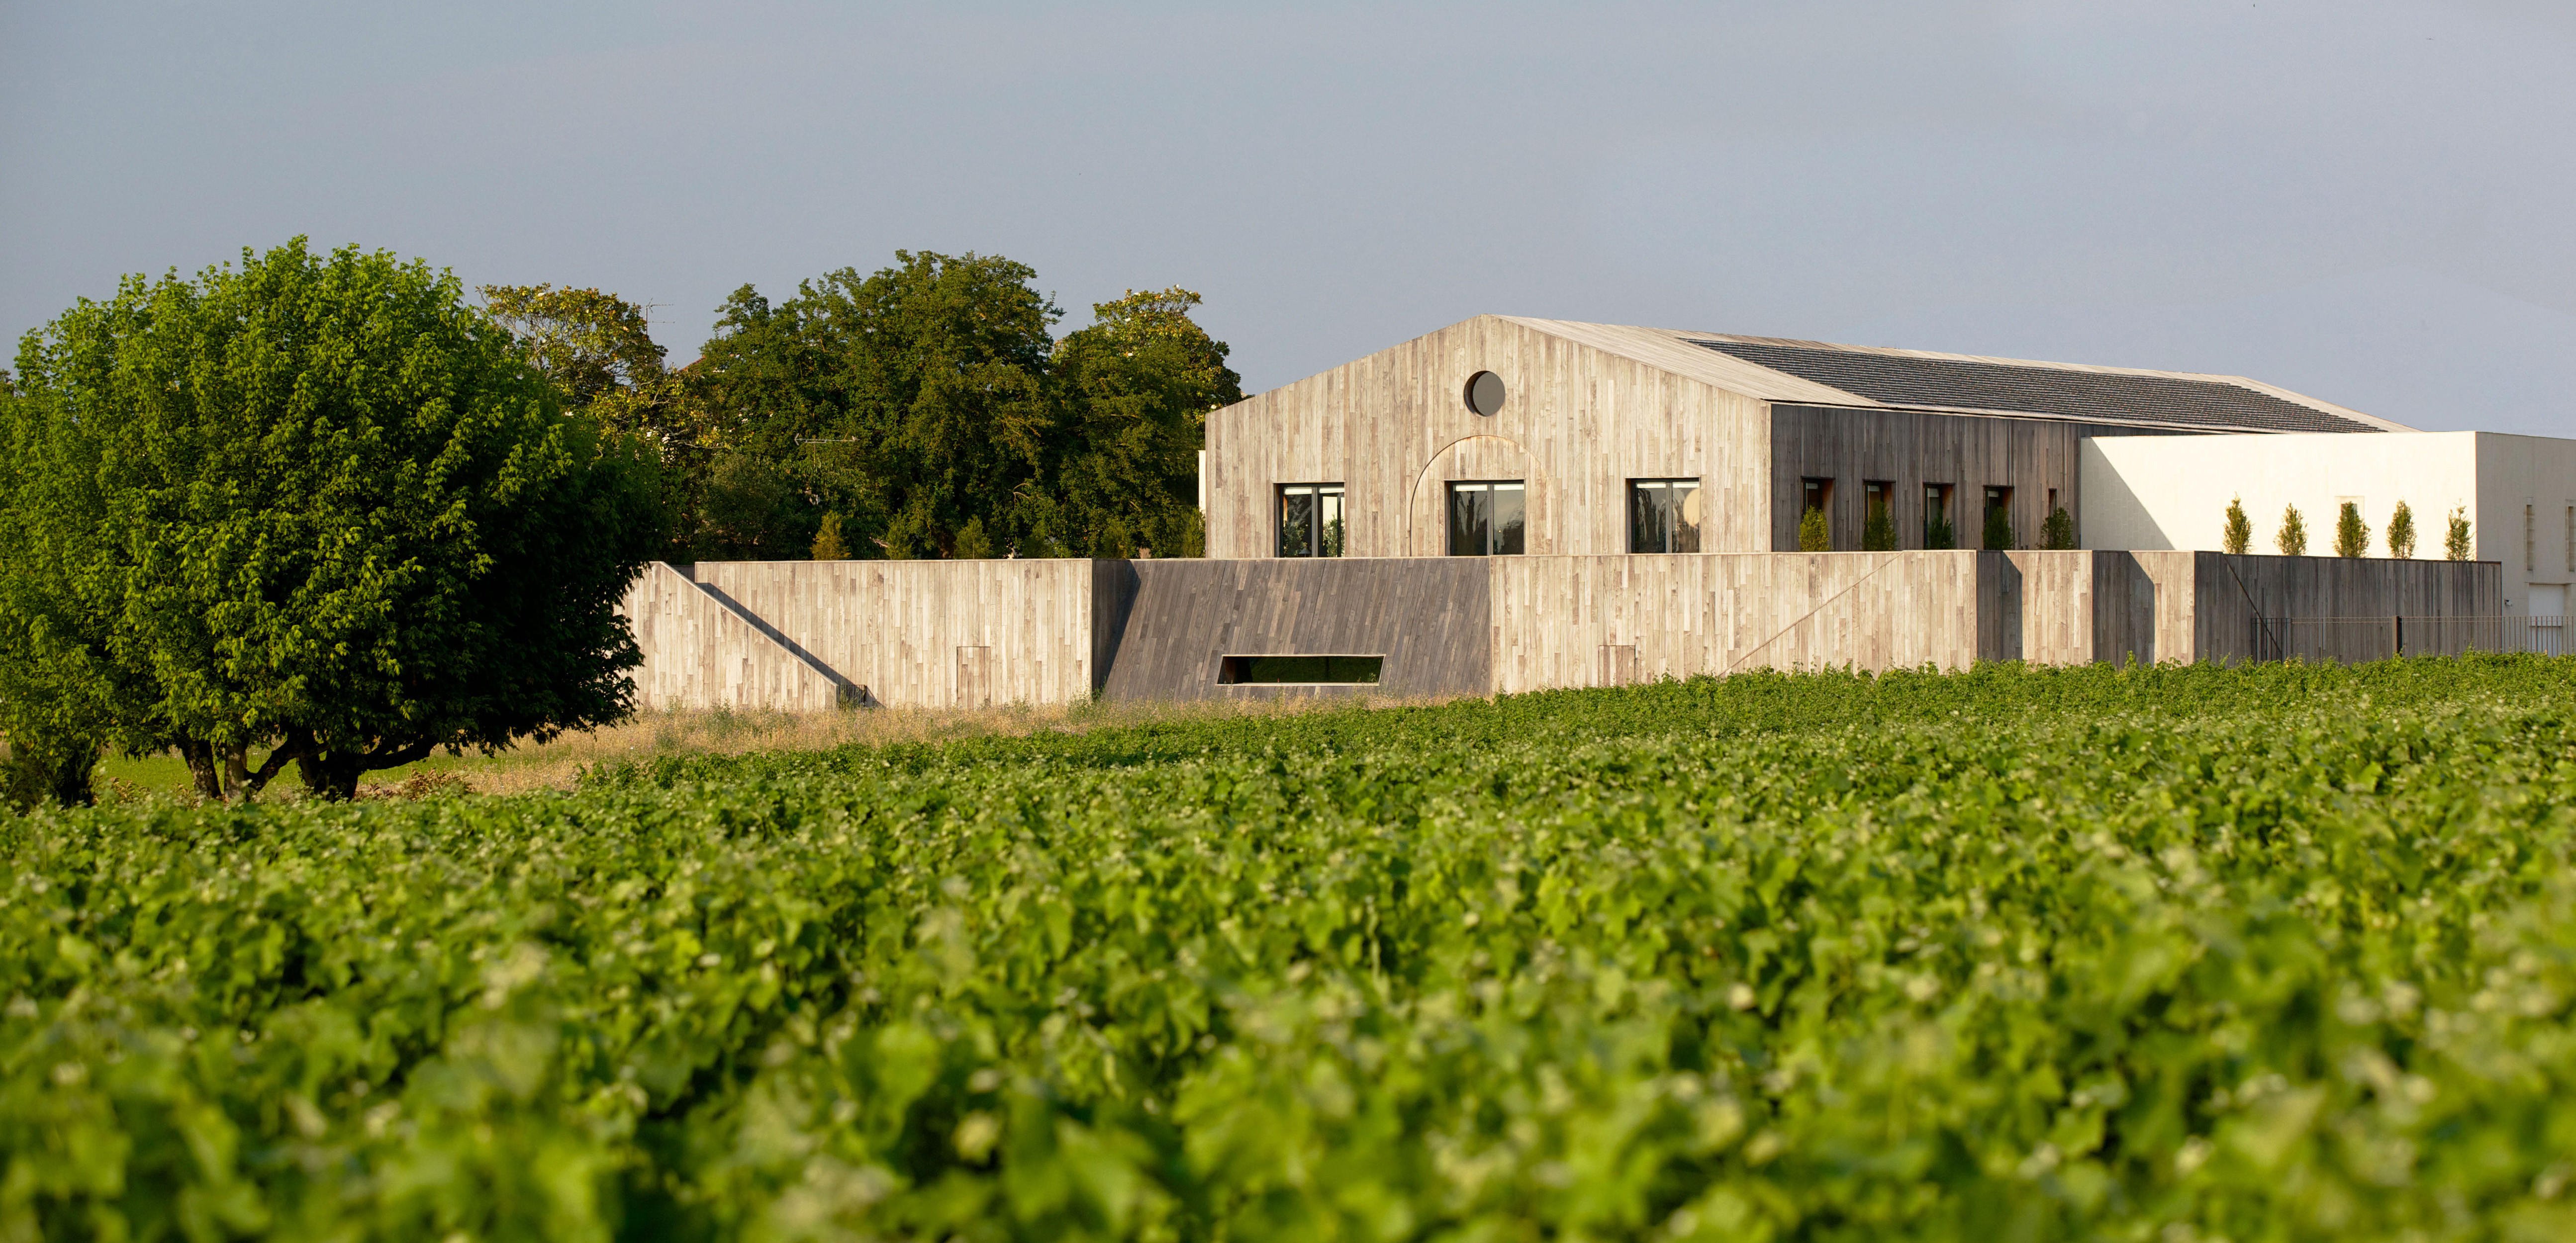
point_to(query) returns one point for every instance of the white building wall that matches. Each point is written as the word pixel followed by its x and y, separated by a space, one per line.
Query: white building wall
pixel 2171 492
pixel 2533 477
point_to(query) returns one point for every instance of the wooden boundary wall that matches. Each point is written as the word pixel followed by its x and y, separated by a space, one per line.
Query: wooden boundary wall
pixel 1427 617
pixel 804 635
pixel 2229 594
pixel 1600 621
pixel 2073 608
pixel 965 634
pixel 702 650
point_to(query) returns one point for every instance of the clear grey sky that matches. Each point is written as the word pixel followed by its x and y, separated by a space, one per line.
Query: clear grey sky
pixel 2368 202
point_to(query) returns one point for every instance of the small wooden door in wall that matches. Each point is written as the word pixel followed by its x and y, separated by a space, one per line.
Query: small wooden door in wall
pixel 974 677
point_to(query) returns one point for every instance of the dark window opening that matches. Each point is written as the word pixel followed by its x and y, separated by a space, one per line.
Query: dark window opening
pixel 1937 529
pixel 1663 515
pixel 1299 670
pixel 1310 520
pixel 1998 518
pixel 1486 518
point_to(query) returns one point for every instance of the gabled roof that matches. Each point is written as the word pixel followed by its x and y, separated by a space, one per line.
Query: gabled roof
pixel 1871 377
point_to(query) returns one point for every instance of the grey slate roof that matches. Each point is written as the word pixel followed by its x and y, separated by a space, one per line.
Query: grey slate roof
pixel 1899 380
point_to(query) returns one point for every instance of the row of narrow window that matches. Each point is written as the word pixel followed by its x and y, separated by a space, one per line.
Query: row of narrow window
pixel 1940 514
pixel 1489 517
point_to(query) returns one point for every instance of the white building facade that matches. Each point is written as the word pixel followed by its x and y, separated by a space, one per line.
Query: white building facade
pixel 2517 492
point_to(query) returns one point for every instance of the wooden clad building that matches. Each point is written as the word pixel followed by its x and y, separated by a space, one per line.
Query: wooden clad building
pixel 1624 440
pixel 1511 505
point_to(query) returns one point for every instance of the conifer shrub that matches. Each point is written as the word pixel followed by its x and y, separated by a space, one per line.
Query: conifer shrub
pixel 827 540
pixel 2401 532
pixel 2240 529
pixel 2059 531
pixel 2455 542
pixel 1999 532
pixel 2352 535
pixel 1813 534
pixel 1879 533
pixel 2292 539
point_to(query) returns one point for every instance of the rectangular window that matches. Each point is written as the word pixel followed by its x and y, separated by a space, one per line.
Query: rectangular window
pixel 1937 531
pixel 1485 517
pixel 1299 670
pixel 1997 534
pixel 1310 520
pixel 1663 515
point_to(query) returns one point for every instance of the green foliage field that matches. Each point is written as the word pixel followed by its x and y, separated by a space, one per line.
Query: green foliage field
pixel 2170 954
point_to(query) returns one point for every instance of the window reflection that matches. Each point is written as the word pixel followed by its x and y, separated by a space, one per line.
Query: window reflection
pixel 1486 518
pixel 1663 515
pixel 1310 520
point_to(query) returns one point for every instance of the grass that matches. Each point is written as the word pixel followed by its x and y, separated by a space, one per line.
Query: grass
pixel 557 765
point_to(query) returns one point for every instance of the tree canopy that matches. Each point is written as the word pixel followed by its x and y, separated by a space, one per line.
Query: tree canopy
pixel 312 504
pixel 927 409
pixel 316 511
pixel 1139 384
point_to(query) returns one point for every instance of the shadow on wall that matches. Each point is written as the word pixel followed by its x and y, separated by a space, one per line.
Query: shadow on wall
pixel 2114 516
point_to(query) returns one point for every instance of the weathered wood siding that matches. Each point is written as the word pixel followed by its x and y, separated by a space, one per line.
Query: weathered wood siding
pixel 1394 429
pixel 1427 618
pixel 1588 621
pixel 2231 592
pixel 2081 607
pixel 804 635
pixel 1910 449
pixel 2173 579
pixel 922 633
pixel 701 651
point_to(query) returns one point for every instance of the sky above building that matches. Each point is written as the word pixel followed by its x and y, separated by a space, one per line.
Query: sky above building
pixel 2366 202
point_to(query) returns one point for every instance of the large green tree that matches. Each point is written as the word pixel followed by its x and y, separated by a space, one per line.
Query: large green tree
pixel 927 408
pixel 912 401
pixel 55 696
pixel 1134 391
pixel 316 506
pixel 598 350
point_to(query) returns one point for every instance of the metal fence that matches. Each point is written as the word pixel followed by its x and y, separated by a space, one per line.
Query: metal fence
pixel 2350 639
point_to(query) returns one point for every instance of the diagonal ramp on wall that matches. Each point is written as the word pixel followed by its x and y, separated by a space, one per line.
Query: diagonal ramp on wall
pixel 704 650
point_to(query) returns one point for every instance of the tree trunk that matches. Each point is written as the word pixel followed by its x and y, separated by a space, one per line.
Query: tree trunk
pixel 201 768
pixel 333 777
pixel 69 776
pixel 45 769
pixel 236 773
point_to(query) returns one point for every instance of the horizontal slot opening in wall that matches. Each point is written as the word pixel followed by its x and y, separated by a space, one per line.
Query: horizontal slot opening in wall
pixel 1299 670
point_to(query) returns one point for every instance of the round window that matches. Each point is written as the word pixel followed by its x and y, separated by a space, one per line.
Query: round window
pixel 1485 393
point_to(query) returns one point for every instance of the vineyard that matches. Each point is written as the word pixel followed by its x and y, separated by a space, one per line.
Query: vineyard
pixel 2166 954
